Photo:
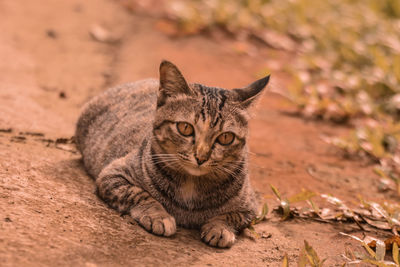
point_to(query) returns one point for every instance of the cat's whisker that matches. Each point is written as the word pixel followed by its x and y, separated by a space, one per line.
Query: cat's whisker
pixel 166 161
pixel 236 165
pixel 163 155
pixel 225 170
pixel 252 165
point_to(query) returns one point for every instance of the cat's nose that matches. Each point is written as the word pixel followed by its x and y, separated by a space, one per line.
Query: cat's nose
pixel 202 152
pixel 200 160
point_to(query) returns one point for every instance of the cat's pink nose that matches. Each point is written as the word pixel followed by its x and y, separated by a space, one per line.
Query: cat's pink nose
pixel 200 160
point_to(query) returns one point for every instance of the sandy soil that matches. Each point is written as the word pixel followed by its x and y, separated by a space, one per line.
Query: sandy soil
pixel 49 214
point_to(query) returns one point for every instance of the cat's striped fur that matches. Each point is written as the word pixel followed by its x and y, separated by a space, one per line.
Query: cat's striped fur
pixel 145 167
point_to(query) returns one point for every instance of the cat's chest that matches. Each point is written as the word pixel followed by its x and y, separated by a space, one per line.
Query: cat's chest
pixel 188 191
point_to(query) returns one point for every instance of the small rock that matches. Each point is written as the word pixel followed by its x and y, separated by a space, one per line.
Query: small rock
pixel 78 8
pixel 62 95
pixel 51 34
pixel 6 219
pixel 266 235
pixel 100 34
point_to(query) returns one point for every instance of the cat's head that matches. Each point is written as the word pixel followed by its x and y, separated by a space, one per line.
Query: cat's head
pixel 199 129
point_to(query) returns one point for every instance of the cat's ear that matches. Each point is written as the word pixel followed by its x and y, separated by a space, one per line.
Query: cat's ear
pixel 246 96
pixel 171 82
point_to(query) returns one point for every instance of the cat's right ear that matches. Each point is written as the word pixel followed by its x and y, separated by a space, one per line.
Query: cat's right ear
pixel 171 82
pixel 246 96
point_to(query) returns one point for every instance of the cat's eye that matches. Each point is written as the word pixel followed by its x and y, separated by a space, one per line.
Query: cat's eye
pixel 185 128
pixel 226 138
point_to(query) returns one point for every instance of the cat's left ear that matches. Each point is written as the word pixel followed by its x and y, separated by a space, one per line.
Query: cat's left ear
pixel 246 96
pixel 172 82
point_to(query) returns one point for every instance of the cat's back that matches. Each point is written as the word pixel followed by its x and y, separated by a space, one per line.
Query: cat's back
pixel 114 123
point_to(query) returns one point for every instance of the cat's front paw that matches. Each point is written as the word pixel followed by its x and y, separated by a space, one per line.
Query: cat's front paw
pixel 163 225
pixel 217 235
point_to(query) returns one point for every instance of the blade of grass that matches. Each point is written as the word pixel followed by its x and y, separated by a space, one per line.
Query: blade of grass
pixel 263 214
pixel 285 262
pixel 253 231
pixel 312 255
pixel 276 192
pixel 379 263
pixel 314 206
pixel 265 210
pixel 303 260
pixel 395 253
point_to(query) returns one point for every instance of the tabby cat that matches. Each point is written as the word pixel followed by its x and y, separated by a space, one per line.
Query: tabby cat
pixel 167 152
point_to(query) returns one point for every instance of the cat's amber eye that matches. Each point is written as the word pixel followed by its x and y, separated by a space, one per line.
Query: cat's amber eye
pixel 185 128
pixel 226 138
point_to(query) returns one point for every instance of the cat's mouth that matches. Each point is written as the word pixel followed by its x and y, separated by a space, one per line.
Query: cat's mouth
pixel 196 170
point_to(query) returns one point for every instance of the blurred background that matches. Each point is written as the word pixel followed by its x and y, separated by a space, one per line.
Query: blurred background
pixel 340 59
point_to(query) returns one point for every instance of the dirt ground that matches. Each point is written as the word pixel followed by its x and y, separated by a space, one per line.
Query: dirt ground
pixel 49 215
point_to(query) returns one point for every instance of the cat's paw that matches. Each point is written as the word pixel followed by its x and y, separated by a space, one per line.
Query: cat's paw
pixel 217 235
pixel 158 225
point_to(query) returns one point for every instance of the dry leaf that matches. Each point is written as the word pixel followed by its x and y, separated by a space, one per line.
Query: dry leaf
pixel 167 27
pixel 391 241
pixel 370 251
pixel 303 196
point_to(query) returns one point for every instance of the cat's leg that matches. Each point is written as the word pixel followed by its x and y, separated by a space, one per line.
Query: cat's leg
pixel 220 231
pixel 115 188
